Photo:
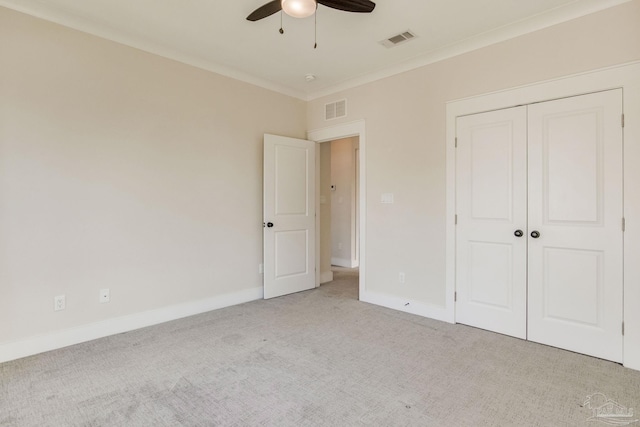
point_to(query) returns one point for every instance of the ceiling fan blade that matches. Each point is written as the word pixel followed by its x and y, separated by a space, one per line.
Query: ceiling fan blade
pixel 361 6
pixel 265 10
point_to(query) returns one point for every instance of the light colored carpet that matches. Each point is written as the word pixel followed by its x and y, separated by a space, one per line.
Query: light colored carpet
pixel 317 358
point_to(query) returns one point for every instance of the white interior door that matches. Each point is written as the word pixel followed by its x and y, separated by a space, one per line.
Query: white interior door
pixel 491 202
pixel 289 215
pixel 576 207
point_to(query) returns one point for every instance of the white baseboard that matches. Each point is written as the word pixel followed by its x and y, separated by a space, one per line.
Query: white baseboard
pixel 408 306
pixel 58 339
pixel 326 276
pixel 344 262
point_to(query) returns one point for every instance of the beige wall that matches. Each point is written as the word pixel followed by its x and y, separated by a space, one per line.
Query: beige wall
pixel 405 136
pixel 123 170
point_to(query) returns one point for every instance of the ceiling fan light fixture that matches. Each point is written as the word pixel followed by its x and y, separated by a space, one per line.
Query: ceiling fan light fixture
pixel 299 8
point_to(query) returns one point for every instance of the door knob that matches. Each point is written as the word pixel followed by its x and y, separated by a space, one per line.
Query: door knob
pixel 518 233
pixel 535 234
pixel 269 224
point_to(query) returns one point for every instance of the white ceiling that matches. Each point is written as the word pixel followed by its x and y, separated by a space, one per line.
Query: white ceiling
pixel 214 34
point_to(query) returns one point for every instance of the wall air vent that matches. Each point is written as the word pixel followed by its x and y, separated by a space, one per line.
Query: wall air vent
pixel 335 110
pixel 398 39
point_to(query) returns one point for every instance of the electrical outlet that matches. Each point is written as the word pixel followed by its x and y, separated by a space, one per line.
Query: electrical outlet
pixel 59 303
pixel 105 296
pixel 401 277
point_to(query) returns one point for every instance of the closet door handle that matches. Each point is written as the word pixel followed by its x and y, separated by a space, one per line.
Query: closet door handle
pixel 518 233
pixel 535 234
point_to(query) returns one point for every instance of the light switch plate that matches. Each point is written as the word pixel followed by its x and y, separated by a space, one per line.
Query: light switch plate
pixel 386 198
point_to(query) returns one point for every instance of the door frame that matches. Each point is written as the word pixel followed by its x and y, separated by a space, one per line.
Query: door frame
pixel 626 77
pixel 331 133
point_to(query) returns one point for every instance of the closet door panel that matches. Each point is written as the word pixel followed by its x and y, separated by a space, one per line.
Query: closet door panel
pixel 491 206
pixel 575 204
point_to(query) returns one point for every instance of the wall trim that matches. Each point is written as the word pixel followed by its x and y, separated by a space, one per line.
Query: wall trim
pixel 406 305
pixel 555 16
pixel 64 338
pixel 625 76
pixel 344 262
pixel 107 33
pixel 538 22
pixel 326 277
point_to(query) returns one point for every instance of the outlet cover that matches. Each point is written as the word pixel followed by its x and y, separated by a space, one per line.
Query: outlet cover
pixel 59 303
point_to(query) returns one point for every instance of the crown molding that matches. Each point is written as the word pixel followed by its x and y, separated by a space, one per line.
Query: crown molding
pixel 538 22
pixel 104 32
pixel 568 12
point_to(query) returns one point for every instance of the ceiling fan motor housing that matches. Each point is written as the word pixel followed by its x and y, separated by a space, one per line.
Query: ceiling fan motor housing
pixel 304 8
pixel 299 8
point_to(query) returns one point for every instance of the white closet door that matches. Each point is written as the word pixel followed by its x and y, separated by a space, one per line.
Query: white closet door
pixel 491 200
pixel 575 204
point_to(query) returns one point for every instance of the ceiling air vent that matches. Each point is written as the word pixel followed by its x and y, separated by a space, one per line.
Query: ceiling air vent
pixel 398 39
pixel 335 110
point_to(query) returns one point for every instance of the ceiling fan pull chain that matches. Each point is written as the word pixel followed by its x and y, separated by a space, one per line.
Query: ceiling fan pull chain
pixel 281 29
pixel 315 30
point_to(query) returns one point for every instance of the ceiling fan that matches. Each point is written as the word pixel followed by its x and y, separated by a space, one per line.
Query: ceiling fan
pixel 305 8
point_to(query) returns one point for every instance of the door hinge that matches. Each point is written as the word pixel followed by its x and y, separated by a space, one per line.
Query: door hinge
pixel 622 328
pixel 623 120
pixel 456 219
pixel 456 142
pixel 624 225
pixel 455 297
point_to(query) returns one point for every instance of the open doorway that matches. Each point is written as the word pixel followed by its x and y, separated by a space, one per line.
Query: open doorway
pixel 340 202
pixel 338 210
